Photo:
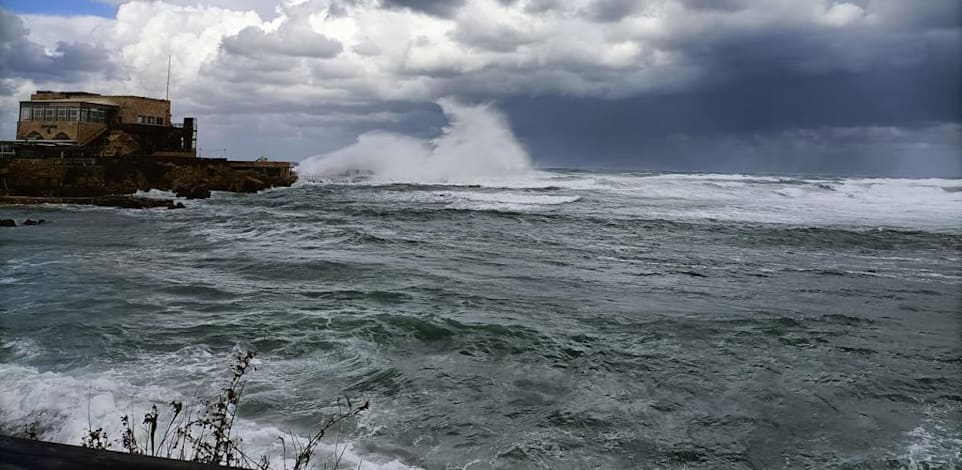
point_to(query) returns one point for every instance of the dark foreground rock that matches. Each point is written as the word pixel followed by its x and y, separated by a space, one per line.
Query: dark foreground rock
pixel 7 223
pixel 125 202
pixel 194 192
pixel 22 454
pixel 132 202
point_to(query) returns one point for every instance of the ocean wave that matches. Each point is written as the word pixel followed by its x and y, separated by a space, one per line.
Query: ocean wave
pixel 65 406
pixel 932 445
pixel 505 198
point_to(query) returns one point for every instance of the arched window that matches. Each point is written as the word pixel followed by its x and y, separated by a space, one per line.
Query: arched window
pixel 61 136
pixel 34 136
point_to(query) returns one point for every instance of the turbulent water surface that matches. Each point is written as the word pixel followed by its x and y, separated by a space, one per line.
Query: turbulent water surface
pixel 553 319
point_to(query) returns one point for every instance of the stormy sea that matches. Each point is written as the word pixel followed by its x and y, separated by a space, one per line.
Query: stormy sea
pixel 499 315
pixel 560 319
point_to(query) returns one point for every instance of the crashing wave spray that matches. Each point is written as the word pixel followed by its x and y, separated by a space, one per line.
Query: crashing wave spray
pixel 477 142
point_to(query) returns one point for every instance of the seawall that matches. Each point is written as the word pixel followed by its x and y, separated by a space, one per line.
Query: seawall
pixel 100 176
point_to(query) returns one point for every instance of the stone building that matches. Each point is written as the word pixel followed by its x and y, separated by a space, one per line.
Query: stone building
pixel 103 125
pixel 79 144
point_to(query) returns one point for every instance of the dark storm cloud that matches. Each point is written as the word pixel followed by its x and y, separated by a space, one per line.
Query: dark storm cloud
pixel 759 89
pixel 634 131
pixel 611 10
pixel 716 5
pixel 765 102
pixel 539 6
pixel 442 8
pixel 22 58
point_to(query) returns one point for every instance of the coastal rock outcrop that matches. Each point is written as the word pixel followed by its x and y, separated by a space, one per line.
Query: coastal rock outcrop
pixel 121 201
pixel 192 178
pixel 192 192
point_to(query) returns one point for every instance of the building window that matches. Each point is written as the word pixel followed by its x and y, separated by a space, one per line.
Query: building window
pixel 25 113
pixel 140 119
pixel 95 115
pixel 49 114
pixel 150 120
pixel 160 121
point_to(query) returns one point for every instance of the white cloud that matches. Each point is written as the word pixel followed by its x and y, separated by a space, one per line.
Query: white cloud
pixel 841 14
pixel 361 51
pixel 292 37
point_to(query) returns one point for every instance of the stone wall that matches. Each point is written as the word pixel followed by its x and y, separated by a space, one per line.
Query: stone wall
pixel 86 177
pixel 49 130
pixel 31 177
pixel 133 106
pixel 89 130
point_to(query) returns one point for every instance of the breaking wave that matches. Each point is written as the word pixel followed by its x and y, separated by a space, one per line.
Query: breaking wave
pixel 64 406
pixel 476 143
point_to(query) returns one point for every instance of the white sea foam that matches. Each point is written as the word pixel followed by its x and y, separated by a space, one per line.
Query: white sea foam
pixel 922 204
pixel 155 194
pixel 868 202
pixel 476 143
pixel 509 198
pixel 932 446
pixel 478 200
pixel 66 405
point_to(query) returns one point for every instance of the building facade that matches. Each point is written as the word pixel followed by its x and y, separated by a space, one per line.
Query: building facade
pixel 79 144
pixel 105 125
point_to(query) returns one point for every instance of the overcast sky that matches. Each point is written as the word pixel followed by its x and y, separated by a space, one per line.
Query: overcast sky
pixel 868 87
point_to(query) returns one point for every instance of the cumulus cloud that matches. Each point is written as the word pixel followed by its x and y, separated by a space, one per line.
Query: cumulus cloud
pixel 292 38
pixel 22 58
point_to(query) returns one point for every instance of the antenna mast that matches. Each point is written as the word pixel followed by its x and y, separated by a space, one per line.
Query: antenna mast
pixel 167 93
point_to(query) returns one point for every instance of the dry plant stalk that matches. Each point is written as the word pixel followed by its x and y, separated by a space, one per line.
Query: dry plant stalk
pixel 207 436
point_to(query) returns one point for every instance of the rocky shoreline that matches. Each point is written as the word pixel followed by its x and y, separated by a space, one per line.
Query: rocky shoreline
pixel 121 201
pixel 110 181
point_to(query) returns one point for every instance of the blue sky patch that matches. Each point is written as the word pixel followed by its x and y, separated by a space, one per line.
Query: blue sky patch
pixel 61 7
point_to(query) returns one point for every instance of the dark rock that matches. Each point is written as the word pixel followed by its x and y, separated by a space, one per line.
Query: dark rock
pixel 23 454
pixel 193 192
pixel 30 222
pixel 7 223
pixel 126 202
pixel 176 205
pixel 131 202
